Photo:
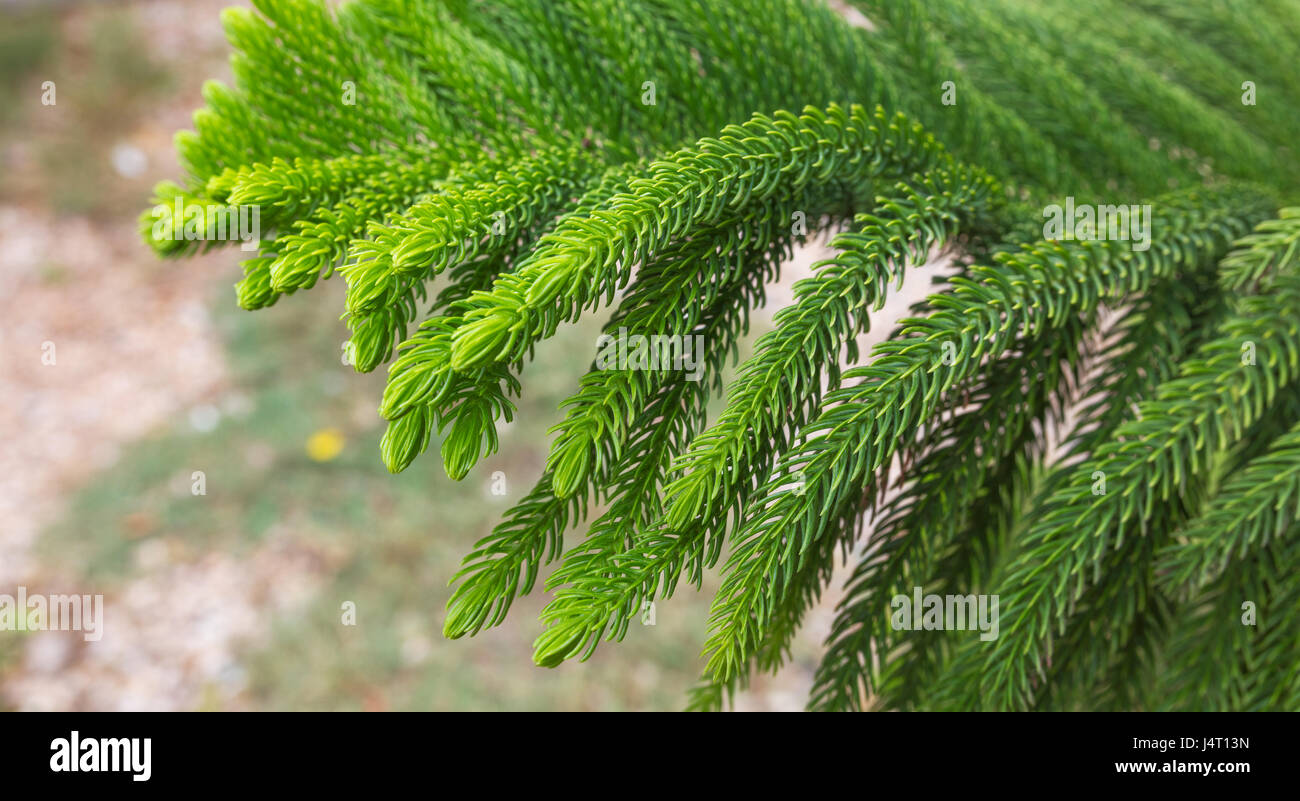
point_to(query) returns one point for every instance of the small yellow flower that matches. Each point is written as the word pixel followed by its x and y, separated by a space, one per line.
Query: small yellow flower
pixel 325 444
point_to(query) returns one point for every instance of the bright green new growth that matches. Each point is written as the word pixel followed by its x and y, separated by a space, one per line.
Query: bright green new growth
pixel 1106 436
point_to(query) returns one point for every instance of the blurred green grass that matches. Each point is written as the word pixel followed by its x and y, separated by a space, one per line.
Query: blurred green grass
pixel 104 85
pixel 27 40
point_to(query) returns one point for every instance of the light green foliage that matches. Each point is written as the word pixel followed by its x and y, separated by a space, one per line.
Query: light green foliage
pixel 481 172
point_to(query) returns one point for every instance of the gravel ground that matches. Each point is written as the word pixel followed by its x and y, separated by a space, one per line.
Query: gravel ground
pixel 101 345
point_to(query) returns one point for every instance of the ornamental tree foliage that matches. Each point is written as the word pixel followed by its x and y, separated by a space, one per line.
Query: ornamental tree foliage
pixel 481 172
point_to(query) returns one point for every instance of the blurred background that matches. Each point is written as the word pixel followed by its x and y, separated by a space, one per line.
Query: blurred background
pixel 231 600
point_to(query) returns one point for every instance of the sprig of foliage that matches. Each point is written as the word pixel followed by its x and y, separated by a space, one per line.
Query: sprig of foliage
pixel 481 172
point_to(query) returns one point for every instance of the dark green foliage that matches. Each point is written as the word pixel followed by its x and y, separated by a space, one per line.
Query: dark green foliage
pixel 480 172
